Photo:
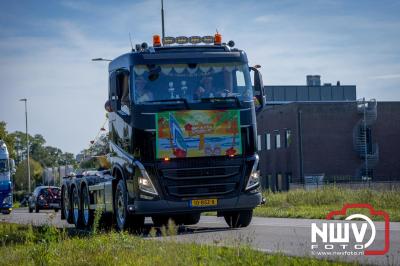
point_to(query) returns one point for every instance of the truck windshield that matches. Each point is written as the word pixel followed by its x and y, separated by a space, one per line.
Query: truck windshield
pixel 192 82
pixel 4 165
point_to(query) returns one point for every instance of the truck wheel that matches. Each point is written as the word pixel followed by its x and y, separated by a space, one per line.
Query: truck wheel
pixel 36 208
pixel 75 207
pixel 30 210
pixel 190 219
pixel 87 214
pixel 239 218
pixel 161 220
pixel 186 219
pixel 123 218
pixel 66 205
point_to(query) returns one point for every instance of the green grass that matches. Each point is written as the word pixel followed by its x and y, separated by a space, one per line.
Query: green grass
pixel 24 245
pixel 316 204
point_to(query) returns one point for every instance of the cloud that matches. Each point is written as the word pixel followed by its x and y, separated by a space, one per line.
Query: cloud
pixel 388 76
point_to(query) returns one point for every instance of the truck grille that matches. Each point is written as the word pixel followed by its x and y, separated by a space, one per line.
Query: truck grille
pixel 201 179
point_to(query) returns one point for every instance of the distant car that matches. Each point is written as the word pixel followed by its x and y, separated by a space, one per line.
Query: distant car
pixel 45 198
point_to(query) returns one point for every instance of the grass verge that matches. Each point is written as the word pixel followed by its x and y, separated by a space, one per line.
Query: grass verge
pixel 24 245
pixel 316 204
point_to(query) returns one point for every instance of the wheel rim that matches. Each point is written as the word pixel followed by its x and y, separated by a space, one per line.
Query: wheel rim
pixel 121 207
pixel 76 206
pixel 85 206
pixel 66 203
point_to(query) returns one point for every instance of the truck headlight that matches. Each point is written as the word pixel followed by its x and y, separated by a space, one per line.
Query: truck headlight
pixel 254 178
pixel 7 200
pixel 145 184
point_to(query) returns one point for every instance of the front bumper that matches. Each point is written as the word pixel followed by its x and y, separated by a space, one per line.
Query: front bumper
pixel 244 201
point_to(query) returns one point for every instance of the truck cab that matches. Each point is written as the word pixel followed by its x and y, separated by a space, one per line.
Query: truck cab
pixel 182 135
pixel 6 169
pixel 183 129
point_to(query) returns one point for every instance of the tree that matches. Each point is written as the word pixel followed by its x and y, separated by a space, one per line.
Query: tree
pixel 98 148
pixel 21 175
pixel 20 145
pixel 8 139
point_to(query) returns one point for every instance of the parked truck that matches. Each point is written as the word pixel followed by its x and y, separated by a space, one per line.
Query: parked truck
pixel 7 167
pixel 182 137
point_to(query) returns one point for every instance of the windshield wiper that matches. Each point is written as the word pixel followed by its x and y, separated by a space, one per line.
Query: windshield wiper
pixel 181 100
pixel 222 99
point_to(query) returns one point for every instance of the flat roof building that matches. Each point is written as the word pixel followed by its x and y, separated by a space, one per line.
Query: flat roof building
pixel 313 132
pixel 312 92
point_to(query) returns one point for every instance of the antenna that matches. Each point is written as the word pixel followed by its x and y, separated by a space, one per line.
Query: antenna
pixel 162 20
pixel 130 39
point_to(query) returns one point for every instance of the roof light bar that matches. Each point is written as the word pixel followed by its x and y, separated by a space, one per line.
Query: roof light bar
pixel 184 40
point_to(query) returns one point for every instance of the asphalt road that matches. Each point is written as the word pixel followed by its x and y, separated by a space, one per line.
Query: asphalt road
pixel 289 236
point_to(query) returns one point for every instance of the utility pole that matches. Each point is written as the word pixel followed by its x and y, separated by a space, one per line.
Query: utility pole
pixel 27 144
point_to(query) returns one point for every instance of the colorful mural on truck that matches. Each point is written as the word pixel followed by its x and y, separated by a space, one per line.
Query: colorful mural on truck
pixel 198 133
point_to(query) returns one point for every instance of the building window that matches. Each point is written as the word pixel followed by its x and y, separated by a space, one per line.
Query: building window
pixel 268 141
pixel 288 138
pixel 259 142
pixel 277 141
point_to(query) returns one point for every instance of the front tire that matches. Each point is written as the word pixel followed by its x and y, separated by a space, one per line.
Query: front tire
pixel 186 219
pixel 30 210
pixel 123 219
pixel 36 208
pixel 239 218
pixel 160 220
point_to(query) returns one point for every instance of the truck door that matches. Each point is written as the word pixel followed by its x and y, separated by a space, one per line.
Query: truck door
pixel 120 117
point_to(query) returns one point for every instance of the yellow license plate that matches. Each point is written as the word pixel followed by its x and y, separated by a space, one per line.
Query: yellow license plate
pixel 203 202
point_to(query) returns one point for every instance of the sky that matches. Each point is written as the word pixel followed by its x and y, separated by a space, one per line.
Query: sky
pixel 46 49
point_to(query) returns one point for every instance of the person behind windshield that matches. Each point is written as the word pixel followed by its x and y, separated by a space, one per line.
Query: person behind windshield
pixel 142 94
pixel 205 90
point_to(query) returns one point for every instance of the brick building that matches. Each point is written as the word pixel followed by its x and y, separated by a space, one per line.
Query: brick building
pixel 331 142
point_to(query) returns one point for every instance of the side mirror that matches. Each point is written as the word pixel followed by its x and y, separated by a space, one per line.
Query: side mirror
pixel 258 87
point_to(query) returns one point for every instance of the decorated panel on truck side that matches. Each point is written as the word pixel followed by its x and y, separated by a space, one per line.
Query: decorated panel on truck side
pixel 198 133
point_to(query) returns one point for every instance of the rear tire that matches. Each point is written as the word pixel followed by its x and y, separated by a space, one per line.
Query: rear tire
pixel 30 210
pixel 36 208
pixel 239 218
pixel 123 219
pixel 75 207
pixel 66 205
pixel 87 213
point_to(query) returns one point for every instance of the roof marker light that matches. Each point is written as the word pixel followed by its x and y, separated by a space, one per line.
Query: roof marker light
pixel 168 40
pixel 195 39
pixel 181 40
pixel 156 40
pixel 217 39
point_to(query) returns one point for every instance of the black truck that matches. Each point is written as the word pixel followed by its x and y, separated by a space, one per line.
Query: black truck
pixel 182 136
